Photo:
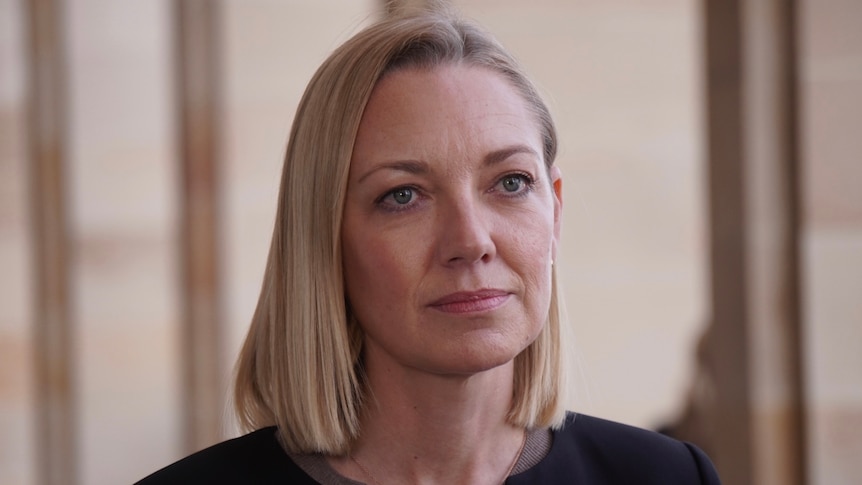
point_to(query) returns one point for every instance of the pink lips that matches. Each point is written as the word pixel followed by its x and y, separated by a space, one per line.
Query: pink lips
pixel 471 301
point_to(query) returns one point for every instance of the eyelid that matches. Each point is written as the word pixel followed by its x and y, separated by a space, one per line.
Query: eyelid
pixel 394 207
pixel 528 179
pixel 391 191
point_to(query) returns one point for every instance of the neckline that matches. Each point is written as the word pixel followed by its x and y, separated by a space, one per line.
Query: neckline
pixel 538 444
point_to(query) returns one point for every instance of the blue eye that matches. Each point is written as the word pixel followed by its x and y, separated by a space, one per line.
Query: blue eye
pixel 402 195
pixel 515 183
pixel 399 199
pixel 512 183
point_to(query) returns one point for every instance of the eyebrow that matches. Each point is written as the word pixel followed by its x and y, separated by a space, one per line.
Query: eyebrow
pixel 503 154
pixel 419 167
pixel 416 167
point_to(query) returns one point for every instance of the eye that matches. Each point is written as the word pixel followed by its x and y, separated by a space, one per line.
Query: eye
pixel 402 195
pixel 398 199
pixel 515 183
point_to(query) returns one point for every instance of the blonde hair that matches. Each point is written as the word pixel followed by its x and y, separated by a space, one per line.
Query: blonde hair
pixel 300 366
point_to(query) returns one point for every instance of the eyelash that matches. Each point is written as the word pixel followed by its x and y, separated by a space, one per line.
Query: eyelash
pixel 395 207
pixel 527 179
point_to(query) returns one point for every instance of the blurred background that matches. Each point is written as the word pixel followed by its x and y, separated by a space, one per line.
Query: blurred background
pixel 712 246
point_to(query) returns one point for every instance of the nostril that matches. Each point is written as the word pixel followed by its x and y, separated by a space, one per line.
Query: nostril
pixel 475 252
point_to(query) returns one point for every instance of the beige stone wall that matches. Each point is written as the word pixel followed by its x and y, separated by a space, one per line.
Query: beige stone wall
pixel 831 129
pixel 624 82
pixel 122 194
pixel 17 419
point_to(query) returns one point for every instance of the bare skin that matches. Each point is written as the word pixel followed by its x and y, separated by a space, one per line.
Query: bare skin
pixel 451 435
pixel 451 224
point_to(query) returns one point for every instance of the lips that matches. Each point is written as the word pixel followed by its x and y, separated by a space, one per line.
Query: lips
pixel 471 301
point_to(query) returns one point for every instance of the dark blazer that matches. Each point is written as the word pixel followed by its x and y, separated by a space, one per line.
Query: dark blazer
pixel 588 451
pixel 585 451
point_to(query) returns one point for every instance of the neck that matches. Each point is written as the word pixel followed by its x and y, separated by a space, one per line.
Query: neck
pixel 425 428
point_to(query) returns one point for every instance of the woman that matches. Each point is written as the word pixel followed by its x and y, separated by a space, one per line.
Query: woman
pixel 408 329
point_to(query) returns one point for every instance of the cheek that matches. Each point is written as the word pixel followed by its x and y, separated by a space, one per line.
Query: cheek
pixel 533 239
pixel 531 253
pixel 376 274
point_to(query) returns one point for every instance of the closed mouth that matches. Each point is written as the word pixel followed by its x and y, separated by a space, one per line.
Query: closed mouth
pixel 471 301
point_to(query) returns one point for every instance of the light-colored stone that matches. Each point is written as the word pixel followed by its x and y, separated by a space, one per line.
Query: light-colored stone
pixel 830 46
pixel 833 263
pixel 17 408
pixel 123 189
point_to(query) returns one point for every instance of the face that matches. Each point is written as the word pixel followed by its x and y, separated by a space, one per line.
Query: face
pixel 451 222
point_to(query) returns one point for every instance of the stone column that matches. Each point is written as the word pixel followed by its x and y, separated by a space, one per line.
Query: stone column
pixel 198 84
pixel 52 327
pixel 756 415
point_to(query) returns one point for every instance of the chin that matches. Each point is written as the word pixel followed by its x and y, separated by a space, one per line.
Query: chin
pixel 482 358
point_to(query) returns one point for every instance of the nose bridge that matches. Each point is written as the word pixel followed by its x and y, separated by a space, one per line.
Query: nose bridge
pixel 464 231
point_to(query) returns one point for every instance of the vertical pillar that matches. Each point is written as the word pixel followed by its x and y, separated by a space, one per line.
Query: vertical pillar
pixel 751 109
pixel 52 326
pixel 198 76
pixel 731 414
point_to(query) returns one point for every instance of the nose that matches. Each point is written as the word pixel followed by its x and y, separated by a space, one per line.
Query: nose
pixel 464 234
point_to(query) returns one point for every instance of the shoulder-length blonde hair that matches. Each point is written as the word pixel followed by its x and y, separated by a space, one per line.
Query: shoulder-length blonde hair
pixel 300 367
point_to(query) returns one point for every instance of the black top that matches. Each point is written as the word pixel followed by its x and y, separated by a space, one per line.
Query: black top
pixel 585 451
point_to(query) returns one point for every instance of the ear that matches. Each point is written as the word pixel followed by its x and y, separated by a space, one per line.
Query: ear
pixel 557 184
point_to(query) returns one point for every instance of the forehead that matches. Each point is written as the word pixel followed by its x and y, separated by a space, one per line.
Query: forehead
pixel 461 107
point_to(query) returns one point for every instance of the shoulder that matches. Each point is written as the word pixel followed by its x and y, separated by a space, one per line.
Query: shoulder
pixel 592 450
pixel 256 458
